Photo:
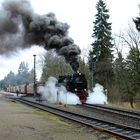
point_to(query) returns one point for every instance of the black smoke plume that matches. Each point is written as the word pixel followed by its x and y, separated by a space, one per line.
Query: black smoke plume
pixel 20 28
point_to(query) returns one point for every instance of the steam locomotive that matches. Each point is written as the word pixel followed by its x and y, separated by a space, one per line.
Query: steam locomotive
pixel 75 83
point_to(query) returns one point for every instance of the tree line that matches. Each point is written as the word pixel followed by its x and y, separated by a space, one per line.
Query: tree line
pixel 23 76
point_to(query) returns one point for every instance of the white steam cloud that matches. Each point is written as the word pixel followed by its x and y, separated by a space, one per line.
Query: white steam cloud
pixel 54 94
pixel 97 96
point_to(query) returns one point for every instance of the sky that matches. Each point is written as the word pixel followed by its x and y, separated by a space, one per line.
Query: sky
pixel 79 14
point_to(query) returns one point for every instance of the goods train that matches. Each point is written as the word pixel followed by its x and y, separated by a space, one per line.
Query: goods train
pixel 26 89
pixel 75 83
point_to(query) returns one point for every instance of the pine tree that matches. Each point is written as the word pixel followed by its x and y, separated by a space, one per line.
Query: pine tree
pixel 23 74
pixel 101 53
pixel 137 23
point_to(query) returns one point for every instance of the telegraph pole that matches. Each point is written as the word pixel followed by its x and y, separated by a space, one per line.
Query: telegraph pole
pixel 93 60
pixel 34 88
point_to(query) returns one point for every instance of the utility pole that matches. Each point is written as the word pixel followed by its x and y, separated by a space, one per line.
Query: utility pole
pixel 34 86
pixel 92 66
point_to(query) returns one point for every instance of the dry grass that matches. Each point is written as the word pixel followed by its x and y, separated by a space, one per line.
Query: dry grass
pixel 126 105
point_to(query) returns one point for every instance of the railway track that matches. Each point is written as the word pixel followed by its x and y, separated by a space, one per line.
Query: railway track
pixel 123 112
pixel 113 114
pixel 118 130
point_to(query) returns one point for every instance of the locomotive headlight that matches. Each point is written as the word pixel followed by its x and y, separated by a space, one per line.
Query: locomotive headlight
pixel 75 89
pixel 85 90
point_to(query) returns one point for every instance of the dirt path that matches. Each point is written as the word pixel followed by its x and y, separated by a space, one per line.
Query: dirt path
pixel 20 122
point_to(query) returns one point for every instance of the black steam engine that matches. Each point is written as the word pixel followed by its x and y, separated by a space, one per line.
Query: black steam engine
pixel 75 83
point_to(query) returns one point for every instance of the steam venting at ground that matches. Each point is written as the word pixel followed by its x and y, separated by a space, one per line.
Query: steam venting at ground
pixel 55 94
pixel 20 28
pixel 98 96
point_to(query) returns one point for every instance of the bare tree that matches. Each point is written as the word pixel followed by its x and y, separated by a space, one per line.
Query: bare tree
pixel 54 65
pixel 131 69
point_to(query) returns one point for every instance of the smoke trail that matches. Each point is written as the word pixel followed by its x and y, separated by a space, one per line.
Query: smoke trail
pixel 20 27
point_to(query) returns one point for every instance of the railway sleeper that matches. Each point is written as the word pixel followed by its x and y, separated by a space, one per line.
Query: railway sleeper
pixel 136 135
pixel 113 128
pixel 131 134
pixel 105 125
pixel 127 132
pixel 117 130
pixel 98 124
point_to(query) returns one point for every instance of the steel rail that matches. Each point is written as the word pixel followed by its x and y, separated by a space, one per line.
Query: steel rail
pixel 115 110
pixel 124 113
pixel 122 131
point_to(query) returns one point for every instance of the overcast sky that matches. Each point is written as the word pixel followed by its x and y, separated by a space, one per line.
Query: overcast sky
pixel 79 14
